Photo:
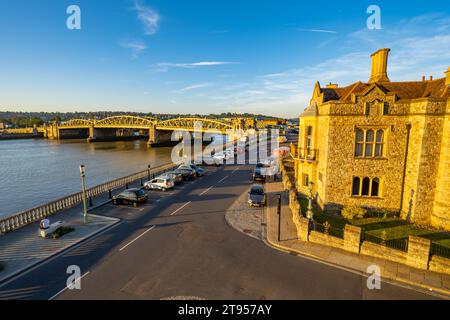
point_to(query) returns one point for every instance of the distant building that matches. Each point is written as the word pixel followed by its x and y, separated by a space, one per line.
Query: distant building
pixel 379 144
pixel 2 126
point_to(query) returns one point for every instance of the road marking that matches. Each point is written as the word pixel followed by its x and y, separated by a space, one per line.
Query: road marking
pixel 236 169
pixel 184 205
pixel 150 229
pixel 206 190
pixel 222 179
pixel 65 288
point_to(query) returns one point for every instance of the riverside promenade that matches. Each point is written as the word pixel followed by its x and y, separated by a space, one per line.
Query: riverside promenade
pixel 22 249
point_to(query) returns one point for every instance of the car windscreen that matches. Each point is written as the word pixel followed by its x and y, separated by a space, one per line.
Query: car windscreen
pixel 140 193
pixel 257 191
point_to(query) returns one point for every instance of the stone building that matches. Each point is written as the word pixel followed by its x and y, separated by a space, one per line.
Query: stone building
pixel 379 144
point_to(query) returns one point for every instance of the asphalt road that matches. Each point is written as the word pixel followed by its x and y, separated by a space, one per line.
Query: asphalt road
pixel 180 245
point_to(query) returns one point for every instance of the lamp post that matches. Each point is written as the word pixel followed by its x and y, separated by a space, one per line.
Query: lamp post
pixel 148 171
pixel 83 192
pixel 309 212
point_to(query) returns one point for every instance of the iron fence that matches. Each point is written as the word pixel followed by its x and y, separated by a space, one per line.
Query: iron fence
pixel 399 244
pixel 328 229
pixel 439 250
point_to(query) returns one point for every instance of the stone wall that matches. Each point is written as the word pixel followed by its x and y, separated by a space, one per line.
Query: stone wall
pixel 379 251
pixel 352 238
pixel 418 252
pixel 439 264
pixel 325 239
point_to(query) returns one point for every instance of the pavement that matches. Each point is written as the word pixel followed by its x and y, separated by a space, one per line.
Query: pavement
pixel 432 282
pixel 180 245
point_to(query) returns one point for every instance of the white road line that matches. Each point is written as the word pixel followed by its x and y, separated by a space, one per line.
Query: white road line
pixel 206 190
pixel 236 169
pixel 184 205
pixel 222 179
pixel 150 229
pixel 65 288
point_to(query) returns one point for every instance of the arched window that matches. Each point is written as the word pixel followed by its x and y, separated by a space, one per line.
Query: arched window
pixel 365 186
pixel 355 186
pixel 359 143
pixel 375 187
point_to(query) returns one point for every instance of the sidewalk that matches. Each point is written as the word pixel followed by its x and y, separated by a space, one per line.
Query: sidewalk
pixel 22 249
pixel 390 270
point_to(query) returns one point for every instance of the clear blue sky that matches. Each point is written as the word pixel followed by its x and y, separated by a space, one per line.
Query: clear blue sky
pixel 206 56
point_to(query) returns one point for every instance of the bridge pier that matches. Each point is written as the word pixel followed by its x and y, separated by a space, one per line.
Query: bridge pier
pixel 103 134
pixel 159 138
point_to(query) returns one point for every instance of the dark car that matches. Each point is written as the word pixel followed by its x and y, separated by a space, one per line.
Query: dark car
pixel 198 171
pixel 131 196
pixel 187 174
pixel 177 177
pixel 257 196
pixel 260 172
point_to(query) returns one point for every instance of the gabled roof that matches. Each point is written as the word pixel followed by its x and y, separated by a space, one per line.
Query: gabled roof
pixel 403 90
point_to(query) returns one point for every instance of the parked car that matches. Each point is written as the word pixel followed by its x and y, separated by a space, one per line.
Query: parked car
pixel 257 196
pixel 198 171
pixel 177 177
pixel 162 183
pixel 221 156
pixel 261 172
pixel 211 161
pixel 131 196
pixel 186 173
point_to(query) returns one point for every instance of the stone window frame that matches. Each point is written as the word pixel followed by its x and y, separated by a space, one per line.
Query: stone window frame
pixel 374 144
pixel 371 185
pixel 305 178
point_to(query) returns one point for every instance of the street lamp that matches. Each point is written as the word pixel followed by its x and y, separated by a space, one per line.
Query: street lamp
pixel 83 192
pixel 309 212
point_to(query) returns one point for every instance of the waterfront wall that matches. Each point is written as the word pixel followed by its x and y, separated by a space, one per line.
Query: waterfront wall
pixel 21 219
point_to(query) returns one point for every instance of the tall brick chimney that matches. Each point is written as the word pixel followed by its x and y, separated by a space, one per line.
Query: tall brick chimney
pixel 379 66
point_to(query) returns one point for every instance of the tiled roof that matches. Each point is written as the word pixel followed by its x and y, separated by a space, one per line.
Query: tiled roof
pixel 404 90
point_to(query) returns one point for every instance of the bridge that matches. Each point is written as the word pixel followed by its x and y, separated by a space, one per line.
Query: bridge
pixel 158 131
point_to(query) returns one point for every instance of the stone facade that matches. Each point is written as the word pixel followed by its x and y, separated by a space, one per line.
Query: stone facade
pixel 407 170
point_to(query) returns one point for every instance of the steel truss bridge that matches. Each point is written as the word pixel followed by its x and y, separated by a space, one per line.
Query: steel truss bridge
pixel 143 123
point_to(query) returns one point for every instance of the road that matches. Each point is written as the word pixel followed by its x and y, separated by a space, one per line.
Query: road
pixel 180 245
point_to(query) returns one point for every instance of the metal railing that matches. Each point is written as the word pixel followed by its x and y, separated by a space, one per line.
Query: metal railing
pixel 439 250
pixel 328 229
pixel 399 244
pixel 308 154
pixel 21 219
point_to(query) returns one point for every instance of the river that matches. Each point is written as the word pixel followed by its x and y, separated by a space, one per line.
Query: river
pixel 33 172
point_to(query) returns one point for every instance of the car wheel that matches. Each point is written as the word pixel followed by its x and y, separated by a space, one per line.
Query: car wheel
pixel 135 204
pixel 114 202
pixel 163 189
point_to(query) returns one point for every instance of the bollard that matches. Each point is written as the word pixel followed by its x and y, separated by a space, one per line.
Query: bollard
pixel 142 184
pixel 90 201
pixel 126 186
pixel 110 194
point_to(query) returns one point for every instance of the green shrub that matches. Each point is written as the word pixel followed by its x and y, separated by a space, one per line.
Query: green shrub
pixel 62 231
pixel 353 212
